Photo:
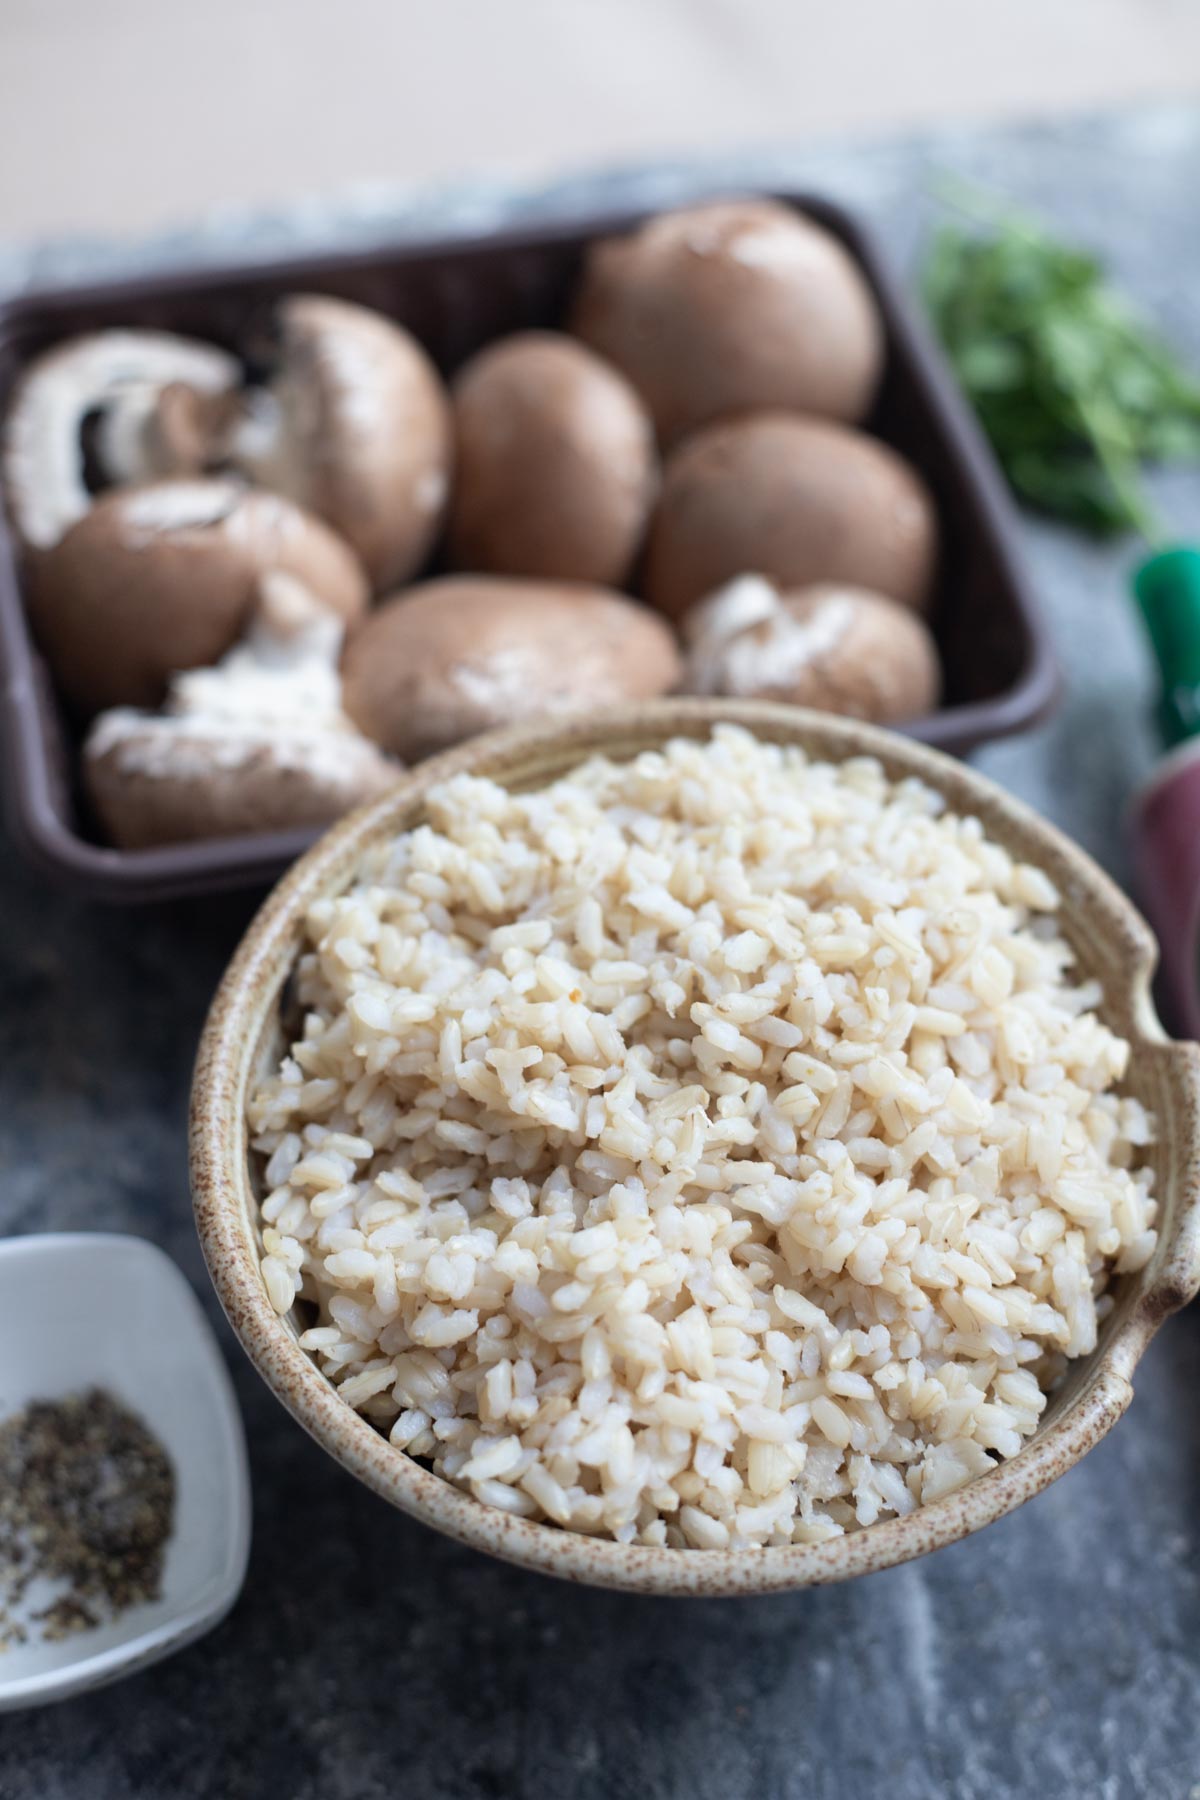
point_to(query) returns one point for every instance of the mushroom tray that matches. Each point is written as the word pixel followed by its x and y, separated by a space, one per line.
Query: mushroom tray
pixel 271 534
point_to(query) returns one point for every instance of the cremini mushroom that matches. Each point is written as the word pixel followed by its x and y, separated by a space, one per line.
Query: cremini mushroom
pixel 840 649
pixel 555 465
pixel 461 654
pixel 84 416
pixel 258 743
pixel 353 424
pixel 796 500
pixel 160 578
pixel 731 307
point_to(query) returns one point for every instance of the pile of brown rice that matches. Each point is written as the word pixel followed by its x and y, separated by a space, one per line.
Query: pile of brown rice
pixel 709 1150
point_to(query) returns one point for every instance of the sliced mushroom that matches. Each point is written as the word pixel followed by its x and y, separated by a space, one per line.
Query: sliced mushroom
pixel 355 426
pixel 159 578
pixel 86 409
pixel 454 657
pixel 840 649
pixel 259 743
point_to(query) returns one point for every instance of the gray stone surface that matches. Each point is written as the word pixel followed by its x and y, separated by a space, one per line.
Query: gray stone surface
pixel 1055 1657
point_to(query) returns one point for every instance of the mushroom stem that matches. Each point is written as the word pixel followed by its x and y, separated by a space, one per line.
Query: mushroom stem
pixel 148 434
pixel 283 672
pixel 743 640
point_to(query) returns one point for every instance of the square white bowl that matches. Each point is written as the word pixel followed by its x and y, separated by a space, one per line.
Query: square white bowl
pixel 84 1309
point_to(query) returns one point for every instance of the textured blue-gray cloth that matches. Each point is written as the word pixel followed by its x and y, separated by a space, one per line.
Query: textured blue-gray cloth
pixel 1056 1657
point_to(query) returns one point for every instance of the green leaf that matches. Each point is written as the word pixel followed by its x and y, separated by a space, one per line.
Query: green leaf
pixel 991 365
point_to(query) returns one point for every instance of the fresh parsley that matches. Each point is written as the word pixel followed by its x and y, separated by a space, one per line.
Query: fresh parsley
pixel 1074 391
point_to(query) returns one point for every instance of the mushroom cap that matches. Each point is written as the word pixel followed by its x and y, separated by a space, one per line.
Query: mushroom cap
pixel 797 500
pixel 113 374
pixel 840 649
pixel 731 307
pixel 159 780
pixel 259 743
pixel 160 578
pixel 462 654
pixel 555 463
pixel 356 427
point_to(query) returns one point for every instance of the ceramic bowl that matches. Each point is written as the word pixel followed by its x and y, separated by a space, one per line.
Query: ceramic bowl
pixel 1111 941
pixel 83 1309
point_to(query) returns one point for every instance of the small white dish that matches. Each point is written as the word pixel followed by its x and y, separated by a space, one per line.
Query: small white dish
pixel 86 1310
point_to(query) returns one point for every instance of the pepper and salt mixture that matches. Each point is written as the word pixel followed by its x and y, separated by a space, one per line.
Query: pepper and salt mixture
pixel 87 1503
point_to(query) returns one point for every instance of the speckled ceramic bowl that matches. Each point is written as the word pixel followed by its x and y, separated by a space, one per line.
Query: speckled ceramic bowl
pixel 1111 942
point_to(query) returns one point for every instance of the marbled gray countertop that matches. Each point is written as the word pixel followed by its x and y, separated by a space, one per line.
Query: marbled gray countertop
pixel 1057 1657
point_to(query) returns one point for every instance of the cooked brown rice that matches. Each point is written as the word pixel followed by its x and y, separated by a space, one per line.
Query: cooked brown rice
pixel 716 1149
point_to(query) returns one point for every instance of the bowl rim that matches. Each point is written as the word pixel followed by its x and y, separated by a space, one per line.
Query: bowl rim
pixel 538 751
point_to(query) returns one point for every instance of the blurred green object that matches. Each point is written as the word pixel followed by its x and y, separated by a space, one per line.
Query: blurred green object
pixel 1168 592
pixel 1074 391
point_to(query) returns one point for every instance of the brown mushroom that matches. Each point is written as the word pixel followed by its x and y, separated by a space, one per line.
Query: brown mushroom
pixel 555 467
pixel 731 307
pixel 459 655
pixel 259 743
pixel 796 500
pixel 83 415
pixel 159 578
pixel 355 426
pixel 840 649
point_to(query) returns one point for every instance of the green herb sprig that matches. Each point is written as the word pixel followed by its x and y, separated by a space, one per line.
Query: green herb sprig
pixel 1074 391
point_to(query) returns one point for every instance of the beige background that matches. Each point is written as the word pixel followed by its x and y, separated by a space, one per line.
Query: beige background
pixel 121 115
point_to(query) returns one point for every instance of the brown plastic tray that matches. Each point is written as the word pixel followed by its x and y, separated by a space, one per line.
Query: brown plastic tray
pixel 455 295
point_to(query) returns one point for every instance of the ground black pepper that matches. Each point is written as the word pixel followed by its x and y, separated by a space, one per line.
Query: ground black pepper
pixel 87 1500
